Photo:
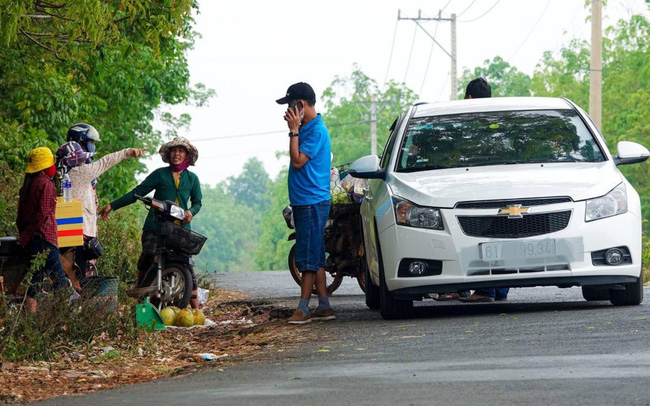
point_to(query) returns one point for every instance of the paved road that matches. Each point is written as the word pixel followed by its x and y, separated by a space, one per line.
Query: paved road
pixel 543 346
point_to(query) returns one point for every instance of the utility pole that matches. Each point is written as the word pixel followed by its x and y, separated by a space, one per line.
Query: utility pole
pixel 452 55
pixel 596 70
pixel 454 79
pixel 373 125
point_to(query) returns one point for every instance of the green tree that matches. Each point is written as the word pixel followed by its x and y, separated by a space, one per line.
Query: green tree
pixel 273 248
pixel 230 228
pixel 505 80
pixel 112 64
pixel 250 186
pixel 348 101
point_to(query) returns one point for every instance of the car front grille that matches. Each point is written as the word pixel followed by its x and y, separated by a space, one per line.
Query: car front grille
pixel 498 204
pixel 503 227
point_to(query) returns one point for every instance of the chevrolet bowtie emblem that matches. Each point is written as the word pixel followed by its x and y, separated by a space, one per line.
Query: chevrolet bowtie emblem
pixel 515 211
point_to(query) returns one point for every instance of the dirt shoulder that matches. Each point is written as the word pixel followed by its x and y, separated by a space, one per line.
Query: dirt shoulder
pixel 243 331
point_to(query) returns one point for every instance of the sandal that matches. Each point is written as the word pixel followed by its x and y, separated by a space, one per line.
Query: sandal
pixel 445 297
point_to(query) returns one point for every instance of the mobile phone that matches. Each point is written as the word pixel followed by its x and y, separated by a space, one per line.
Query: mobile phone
pixel 295 103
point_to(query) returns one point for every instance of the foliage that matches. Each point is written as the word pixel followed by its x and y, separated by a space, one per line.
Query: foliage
pixel 505 80
pixel 273 247
pixel 111 64
pixel 120 236
pixel 230 218
pixel 59 324
pixel 250 186
pixel 12 181
pixel 231 229
pixel 348 102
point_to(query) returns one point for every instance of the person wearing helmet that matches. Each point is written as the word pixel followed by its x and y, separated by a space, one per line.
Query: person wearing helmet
pixel 86 135
pixel 73 161
pixel 174 182
pixel 36 221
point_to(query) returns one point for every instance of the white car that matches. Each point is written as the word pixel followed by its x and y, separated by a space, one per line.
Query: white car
pixel 499 192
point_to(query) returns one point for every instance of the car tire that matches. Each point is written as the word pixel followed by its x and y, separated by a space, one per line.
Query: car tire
pixel 592 293
pixel 372 291
pixel 390 308
pixel 631 296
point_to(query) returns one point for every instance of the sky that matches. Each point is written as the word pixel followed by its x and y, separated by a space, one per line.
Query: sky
pixel 250 51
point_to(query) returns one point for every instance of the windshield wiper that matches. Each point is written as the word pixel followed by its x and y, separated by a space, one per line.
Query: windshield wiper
pixel 424 168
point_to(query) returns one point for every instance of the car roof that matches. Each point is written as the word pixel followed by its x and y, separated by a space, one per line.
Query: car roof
pixel 492 104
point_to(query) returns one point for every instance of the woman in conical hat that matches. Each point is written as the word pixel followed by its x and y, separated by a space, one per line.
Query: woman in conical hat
pixel 174 182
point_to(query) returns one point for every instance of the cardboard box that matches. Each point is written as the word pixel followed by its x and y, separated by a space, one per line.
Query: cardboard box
pixel 69 222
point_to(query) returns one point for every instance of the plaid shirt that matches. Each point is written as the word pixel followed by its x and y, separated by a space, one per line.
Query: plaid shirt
pixel 37 214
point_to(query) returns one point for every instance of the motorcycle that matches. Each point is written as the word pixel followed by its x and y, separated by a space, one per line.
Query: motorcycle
pixel 343 246
pixel 14 266
pixel 168 281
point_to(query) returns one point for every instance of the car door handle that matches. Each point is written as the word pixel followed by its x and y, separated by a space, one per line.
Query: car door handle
pixel 365 193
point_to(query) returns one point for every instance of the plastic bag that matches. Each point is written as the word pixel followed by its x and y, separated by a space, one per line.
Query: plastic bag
pixel 338 194
pixel 354 187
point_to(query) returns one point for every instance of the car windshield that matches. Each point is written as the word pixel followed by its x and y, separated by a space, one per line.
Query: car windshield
pixel 496 138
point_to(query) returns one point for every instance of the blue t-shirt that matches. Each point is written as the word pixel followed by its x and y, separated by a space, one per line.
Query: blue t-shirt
pixel 311 183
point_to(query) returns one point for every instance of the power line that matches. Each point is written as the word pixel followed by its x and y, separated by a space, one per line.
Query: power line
pixel 426 71
pixel 443 9
pixel 274 132
pixel 392 47
pixel 531 30
pixel 408 63
pixel 468 7
pixel 482 15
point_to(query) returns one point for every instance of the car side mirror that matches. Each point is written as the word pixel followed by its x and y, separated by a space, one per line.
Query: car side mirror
pixel 630 153
pixel 367 167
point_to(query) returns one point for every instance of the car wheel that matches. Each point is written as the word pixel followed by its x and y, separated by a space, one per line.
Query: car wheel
pixel 390 308
pixel 631 296
pixel 592 293
pixel 372 291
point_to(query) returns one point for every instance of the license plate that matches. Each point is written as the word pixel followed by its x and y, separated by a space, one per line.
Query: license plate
pixel 496 251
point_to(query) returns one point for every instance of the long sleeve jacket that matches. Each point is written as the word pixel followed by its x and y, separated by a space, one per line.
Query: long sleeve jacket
pixel 81 178
pixel 162 181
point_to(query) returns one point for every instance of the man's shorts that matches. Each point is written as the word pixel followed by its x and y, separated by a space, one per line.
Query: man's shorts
pixel 310 224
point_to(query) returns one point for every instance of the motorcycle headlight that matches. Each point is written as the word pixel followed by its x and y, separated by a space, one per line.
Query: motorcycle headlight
pixel 612 204
pixel 412 215
pixel 177 212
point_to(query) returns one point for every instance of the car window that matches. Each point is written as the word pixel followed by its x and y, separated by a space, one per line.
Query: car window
pixel 495 138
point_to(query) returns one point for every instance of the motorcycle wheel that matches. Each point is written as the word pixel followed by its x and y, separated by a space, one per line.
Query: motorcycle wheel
pixel 332 281
pixel 176 286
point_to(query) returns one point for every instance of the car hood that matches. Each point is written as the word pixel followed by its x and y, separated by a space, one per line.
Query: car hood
pixel 446 187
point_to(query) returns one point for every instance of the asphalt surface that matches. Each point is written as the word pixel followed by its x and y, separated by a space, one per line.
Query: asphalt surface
pixel 542 346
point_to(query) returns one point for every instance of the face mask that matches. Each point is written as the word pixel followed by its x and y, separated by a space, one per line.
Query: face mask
pixel 50 172
pixel 90 147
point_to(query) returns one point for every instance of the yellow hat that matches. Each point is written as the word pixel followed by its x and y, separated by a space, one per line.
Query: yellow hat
pixel 39 158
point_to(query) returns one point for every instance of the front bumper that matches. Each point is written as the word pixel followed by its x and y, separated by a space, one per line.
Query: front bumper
pixel 464 268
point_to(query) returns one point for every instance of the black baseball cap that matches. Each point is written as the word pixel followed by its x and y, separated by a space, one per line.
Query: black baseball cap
pixel 300 90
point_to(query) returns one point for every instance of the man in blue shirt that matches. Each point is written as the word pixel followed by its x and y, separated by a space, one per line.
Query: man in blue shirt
pixel 309 195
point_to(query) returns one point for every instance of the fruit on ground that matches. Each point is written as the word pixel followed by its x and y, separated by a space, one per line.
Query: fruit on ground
pixel 168 316
pixel 199 317
pixel 185 318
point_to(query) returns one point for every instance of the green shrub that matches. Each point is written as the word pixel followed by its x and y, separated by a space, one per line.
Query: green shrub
pixel 61 324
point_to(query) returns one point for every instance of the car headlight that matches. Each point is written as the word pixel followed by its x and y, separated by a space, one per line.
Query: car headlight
pixel 412 215
pixel 612 204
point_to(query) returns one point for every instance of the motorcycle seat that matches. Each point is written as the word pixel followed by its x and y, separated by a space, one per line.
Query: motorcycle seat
pixel 9 245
